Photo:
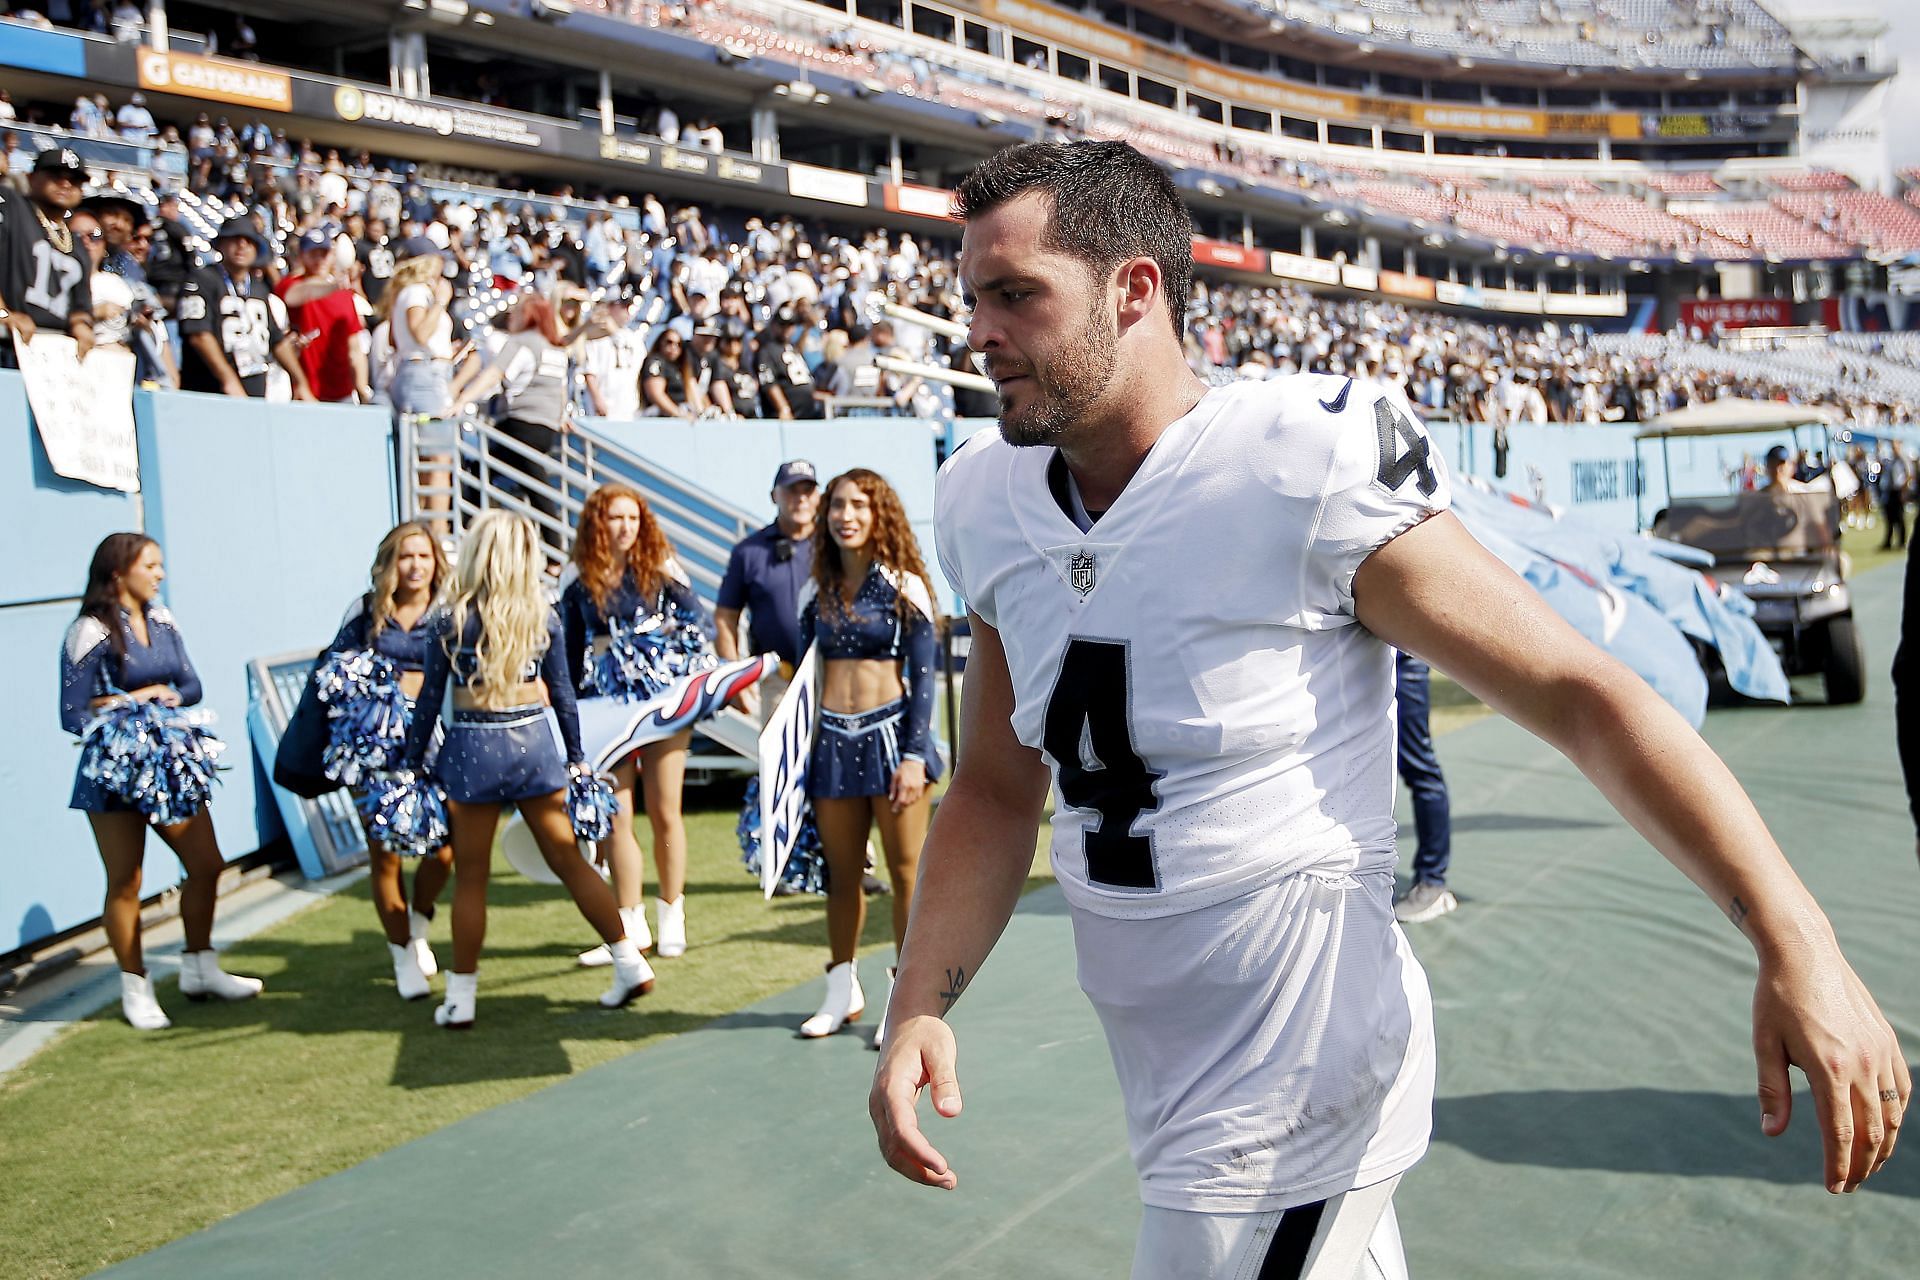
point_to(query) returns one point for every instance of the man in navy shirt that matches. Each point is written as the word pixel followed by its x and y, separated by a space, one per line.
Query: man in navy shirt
pixel 767 570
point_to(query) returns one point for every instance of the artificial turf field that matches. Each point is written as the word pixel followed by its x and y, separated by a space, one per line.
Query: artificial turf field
pixel 1595 1113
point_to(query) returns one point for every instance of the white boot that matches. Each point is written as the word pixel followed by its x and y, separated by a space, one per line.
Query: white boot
pixel 417 940
pixel 463 992
pixel 880 1031
pixel 845 1003
pixel 137 1002
pixel 632 975
pixel 412 983
pixel 673 927
pixel 201 976
pixel 635 918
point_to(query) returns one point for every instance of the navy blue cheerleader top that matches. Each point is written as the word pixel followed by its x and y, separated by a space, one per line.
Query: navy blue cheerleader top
pixel 447 660
pixel 405 647
pixel 673 611
pixel 90 669
pixel 872 627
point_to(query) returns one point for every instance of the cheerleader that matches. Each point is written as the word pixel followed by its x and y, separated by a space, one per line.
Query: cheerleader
pixel 378 660
pixel 124 673
pixel 495 641
pixel 633 627
pixel 869 608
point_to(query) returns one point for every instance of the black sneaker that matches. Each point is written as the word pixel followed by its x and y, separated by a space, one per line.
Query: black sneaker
pixel 873 886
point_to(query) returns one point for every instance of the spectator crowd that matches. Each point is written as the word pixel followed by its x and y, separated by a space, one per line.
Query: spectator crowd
pixel 282 283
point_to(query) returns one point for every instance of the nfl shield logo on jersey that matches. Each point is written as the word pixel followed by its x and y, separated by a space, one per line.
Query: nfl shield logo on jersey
pixel 1080 571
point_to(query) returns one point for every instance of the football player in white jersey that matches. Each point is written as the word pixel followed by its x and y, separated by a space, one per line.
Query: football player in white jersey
pixel 1182 603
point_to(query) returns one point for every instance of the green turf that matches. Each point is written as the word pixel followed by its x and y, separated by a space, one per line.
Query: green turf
pixel 113 1142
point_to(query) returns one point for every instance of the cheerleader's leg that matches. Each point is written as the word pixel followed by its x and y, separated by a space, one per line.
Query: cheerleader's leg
pixel 623 851
pixel 843 822
pixel 663 775
pixel 546 818
pixel 389 888
pixel 430 878
pixel 901 835
pixel 194 843
pixel 473 827
pixel 122 837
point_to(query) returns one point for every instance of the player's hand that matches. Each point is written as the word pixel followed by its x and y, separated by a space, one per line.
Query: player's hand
pixel 920 1053
pixel 1810 1010
pixel 908 785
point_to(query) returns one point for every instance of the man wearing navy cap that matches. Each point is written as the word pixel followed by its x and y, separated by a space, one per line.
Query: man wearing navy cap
pixel 228 331
pixel 324 307
pixel 768 568
pixel 43 272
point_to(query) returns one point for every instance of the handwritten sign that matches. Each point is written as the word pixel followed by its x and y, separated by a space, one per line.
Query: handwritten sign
pixel 85 418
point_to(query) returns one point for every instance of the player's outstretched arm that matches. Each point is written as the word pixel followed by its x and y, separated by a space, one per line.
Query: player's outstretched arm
pixel 975 860
pixel 1436 593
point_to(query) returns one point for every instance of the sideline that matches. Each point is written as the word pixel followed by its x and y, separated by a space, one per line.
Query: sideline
pixel 32 1017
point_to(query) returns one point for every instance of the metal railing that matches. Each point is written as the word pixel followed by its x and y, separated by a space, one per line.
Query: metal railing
pixel 488 469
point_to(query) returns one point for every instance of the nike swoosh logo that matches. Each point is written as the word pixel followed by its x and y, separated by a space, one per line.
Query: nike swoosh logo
pixel 1339 402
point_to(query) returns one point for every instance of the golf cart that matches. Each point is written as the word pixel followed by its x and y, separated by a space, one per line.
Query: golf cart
pixel 1781 549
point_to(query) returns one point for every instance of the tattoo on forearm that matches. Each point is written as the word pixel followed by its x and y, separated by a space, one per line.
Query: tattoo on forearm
pixel 956 983
pixel 1737 912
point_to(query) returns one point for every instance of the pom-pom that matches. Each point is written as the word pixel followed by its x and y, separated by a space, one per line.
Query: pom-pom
pixel 591 806
pixel 406 814
pixel 159 759
pixel 366 715
pixel 649 653
pixel 806 869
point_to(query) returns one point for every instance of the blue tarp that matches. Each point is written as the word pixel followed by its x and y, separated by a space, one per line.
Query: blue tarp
pixel 1623 595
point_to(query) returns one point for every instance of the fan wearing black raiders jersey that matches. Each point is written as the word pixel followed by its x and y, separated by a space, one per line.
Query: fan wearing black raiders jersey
pixel 1185 603
pixel 228 329
pixel 43 272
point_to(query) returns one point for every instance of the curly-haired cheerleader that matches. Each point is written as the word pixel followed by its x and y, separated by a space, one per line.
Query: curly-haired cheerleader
pixel 634 627
pixel 495 640
pixel 124 677
pixel 870 610
pixel 370 677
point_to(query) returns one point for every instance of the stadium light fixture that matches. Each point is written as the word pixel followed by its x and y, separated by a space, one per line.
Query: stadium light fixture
pixel 1562 260
pixel 551 10
pixel 449 11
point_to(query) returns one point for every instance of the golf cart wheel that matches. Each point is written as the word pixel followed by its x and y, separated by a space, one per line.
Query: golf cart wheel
pixel 1845 668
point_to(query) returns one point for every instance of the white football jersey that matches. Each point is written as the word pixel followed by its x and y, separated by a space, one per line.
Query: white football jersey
pixel 1191 668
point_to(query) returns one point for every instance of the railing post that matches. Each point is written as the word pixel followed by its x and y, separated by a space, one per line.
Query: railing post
pixel 406 465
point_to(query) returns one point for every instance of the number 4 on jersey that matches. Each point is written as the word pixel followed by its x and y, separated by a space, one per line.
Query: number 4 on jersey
pixel 1395 465
pixel 1087 714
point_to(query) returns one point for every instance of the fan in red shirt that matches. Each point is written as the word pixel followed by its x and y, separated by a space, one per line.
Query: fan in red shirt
pixel 324 308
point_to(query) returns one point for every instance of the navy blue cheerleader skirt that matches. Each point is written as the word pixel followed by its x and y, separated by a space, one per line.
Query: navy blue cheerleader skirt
pixel 855 753
pixel 498 757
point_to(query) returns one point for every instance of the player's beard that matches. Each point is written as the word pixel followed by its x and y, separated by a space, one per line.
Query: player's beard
pixel 1070 383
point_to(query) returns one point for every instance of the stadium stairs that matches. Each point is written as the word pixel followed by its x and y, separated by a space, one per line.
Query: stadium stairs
pixel 498 472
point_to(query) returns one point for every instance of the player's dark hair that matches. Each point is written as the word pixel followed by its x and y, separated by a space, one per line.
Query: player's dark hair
pixel 117 553
pixel 1110 203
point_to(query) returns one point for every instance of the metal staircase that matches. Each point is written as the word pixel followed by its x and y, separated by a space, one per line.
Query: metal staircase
pixel 490 469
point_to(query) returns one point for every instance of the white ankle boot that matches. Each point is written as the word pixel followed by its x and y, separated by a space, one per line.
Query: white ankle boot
pixel 673 927
pixel 456 1012
pixel 635 918
pixel 412 983
pixel 417 940
pixel 880 1030
pixel 632 975
pixel 138 1004
pixel 845 1003
pixel 201 976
